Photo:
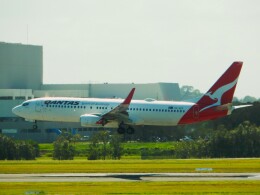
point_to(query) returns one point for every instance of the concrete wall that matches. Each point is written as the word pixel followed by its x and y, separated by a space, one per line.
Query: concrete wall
pixel 20 66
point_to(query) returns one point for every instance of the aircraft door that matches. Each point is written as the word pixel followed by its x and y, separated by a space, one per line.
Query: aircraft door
pixel 196 112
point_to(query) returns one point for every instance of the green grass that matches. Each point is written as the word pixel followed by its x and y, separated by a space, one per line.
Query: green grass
pixel 130 166
pixel 216 187
pixel 148 145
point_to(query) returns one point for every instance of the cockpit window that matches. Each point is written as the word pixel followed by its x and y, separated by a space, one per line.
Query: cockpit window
pixel 25 104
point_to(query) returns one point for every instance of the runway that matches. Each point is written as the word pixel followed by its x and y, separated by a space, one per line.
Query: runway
pixel 124 177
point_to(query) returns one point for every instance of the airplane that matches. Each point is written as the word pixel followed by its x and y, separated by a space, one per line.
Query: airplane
pixel 127 113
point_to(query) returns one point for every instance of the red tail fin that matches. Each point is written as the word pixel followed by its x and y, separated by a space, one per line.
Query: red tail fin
pixel 216 102
pixel 222 91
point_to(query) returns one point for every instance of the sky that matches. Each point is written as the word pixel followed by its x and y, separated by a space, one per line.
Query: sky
pixel 191 42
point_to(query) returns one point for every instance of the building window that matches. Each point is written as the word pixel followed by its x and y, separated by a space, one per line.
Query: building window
pixel 20 97
pixel 6 98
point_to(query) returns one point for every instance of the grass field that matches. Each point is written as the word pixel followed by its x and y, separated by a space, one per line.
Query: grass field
pixel 223 187
pixel 44 165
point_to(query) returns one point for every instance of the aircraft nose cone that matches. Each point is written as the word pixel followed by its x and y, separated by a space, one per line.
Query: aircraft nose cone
pixel 16 110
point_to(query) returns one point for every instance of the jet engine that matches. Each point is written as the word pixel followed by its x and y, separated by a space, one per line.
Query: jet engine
pixel 89 120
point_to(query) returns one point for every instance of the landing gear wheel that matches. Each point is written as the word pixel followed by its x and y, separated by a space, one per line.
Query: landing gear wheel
pixel 130 130
pixel 121 130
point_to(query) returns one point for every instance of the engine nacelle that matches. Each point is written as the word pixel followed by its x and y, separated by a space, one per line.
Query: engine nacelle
pixel 89 120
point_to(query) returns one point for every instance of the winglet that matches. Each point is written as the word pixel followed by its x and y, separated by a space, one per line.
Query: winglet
pixel 129 97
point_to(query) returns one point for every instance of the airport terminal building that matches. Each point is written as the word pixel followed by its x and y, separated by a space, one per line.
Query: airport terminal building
pixel 21 78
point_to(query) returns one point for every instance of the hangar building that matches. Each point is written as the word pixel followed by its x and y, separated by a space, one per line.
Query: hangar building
pixel 21 78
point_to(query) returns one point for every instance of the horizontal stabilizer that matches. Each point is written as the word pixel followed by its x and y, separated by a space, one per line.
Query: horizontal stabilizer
pixel 242 106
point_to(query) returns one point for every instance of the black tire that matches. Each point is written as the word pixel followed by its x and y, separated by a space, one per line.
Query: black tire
pixel 35 126
pixel 121 130
pixel 130 130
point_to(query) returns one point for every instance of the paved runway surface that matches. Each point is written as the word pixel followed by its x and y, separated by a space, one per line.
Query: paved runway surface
pixel 102 177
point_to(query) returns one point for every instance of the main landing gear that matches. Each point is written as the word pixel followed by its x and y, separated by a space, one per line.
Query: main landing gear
pixel 123 128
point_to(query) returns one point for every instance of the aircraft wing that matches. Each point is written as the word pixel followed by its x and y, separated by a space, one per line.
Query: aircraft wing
pixel 119 113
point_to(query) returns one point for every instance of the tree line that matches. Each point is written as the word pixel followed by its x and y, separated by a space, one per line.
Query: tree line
pixel 11 149
pixel 242 141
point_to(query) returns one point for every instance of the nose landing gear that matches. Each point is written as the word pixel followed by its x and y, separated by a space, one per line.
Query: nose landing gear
pixel 35 126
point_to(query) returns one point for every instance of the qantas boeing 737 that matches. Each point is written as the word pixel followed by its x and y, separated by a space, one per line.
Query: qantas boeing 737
pixel 124 114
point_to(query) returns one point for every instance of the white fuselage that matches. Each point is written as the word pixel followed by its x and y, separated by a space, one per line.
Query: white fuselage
pixel 141 112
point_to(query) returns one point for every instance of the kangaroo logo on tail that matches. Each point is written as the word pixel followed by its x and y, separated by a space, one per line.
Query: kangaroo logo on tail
pixel 217 95
pixel 222 91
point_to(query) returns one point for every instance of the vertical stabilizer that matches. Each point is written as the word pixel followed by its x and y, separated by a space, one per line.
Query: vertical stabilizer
pixel 217 101
pixel 222 92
